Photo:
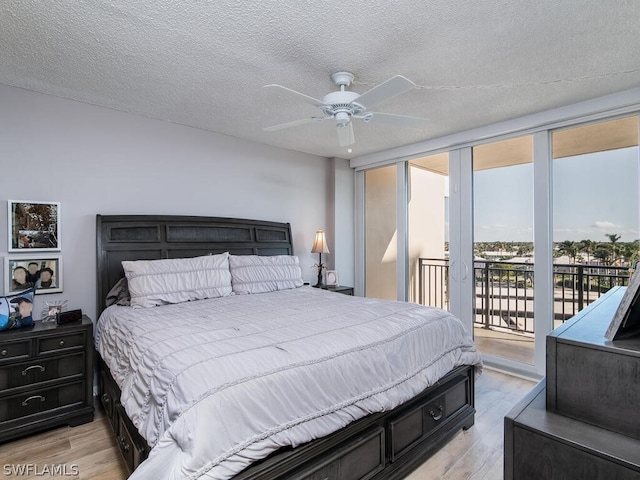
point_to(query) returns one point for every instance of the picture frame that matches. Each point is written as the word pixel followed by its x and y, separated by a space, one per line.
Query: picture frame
pixel 33 226
pixel 51 309
pixel 42 272
pixel 332 277
pixel 626 320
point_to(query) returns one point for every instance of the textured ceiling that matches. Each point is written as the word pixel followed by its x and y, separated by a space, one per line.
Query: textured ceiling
pixel 204 63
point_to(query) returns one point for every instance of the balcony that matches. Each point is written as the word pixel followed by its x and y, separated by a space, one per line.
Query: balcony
pixel 504 317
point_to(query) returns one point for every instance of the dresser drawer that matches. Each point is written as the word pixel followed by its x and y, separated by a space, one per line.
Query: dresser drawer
pixel 46 377
pixel 14 350
pixel 42 400
pixel 28 373
pixel 411 427
pixel 109 398
pixel 60 343
pixel 132 452
pixel 356 460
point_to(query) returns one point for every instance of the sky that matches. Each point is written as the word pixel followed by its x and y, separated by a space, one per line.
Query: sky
pixel 593 195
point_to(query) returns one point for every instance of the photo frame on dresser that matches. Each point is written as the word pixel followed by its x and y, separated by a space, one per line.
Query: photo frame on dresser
pixel 33 226
pixel 52 308
pixel 332 277
pixel 44 273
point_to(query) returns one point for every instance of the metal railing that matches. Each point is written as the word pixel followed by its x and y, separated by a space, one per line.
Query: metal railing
pixel 504 290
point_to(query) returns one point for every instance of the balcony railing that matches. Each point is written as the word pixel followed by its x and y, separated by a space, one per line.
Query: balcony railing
pixel 504 290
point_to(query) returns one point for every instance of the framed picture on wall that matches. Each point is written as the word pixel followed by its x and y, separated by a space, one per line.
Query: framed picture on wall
pixel 33 226
pixel 23 272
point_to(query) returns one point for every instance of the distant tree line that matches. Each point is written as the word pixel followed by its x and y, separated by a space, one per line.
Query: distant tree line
pixel 612 252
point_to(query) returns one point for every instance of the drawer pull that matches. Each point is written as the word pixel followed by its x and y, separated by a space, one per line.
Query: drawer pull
pixel 106 398
pixel 33 397
pixel 123 443
pixel 4 353
pixel 437 415
pixel 61 343
pixel 24 372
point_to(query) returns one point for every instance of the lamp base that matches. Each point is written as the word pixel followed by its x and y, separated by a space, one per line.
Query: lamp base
pixel 320 283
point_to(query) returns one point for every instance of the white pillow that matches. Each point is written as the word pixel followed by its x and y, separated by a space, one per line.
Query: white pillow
pixel 261 274
pixel 176 280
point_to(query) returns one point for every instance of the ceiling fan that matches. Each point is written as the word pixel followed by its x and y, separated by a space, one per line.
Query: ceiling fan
pixel 344 105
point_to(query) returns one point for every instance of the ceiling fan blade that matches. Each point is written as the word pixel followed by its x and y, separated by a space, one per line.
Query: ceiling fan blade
pixel 298 95
pixel 398 120
pixel 345 135
pixel 389 89
pixel 295 123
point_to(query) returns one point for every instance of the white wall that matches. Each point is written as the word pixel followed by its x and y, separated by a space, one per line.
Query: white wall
pixel 96 160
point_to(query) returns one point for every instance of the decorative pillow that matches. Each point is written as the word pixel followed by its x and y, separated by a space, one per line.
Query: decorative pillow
pixel 261 274
pixel 119 294
pixel 16 310
pixel 177 280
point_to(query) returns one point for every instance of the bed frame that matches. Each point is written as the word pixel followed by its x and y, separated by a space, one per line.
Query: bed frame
pixel 385 445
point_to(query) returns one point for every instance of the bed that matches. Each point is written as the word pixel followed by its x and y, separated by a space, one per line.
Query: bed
pixel 285 382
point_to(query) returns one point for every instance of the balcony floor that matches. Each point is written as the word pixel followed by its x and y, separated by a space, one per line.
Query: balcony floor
pixel 514 346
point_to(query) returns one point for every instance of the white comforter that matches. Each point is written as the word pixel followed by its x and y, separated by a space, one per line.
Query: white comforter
pixel 214 385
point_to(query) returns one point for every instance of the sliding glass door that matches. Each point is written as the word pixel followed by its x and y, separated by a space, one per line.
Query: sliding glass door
pixel 595 211
pixel 513 236
pixel 428 231
pixel 504 323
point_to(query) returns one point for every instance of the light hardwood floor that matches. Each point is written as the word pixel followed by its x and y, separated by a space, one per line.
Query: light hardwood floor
pixel 514 346
pixel 473 454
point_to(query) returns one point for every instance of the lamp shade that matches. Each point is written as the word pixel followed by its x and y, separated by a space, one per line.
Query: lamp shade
pixel 320 243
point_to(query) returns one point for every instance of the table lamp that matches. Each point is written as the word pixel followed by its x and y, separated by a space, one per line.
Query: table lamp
pixel 320 247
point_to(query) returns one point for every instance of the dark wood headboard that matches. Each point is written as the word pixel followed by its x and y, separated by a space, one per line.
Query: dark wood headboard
pixel 152 237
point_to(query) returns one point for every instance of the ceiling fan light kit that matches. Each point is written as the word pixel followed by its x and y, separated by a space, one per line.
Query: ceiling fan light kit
pixel 344 105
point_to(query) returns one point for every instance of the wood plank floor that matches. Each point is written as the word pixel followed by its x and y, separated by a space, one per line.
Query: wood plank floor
pixel 474 454
pixel 514 346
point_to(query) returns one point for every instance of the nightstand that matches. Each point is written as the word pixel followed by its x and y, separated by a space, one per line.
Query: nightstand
pixel 46 377
pixel 339 289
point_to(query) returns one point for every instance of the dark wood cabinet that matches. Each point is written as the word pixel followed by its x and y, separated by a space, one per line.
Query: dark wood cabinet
pixel 46 377
pixel 582 420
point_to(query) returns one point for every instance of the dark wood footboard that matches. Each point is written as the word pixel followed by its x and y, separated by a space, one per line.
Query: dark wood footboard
pixel 385 445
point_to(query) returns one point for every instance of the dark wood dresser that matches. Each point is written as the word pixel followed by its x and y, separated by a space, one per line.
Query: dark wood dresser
pixel 583 420
pixel 46 377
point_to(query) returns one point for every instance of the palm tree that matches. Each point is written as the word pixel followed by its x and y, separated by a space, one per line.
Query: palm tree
pixel 631 251
pixel 587 246
pixel 602 253
pixel 569 248
pixel 613 238
pixel 525 249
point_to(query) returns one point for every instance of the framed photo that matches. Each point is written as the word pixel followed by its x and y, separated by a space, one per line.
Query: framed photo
pixel 51 309
pixel 332 277
pixel 33 226
pixel 44 273
pixel 626 320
